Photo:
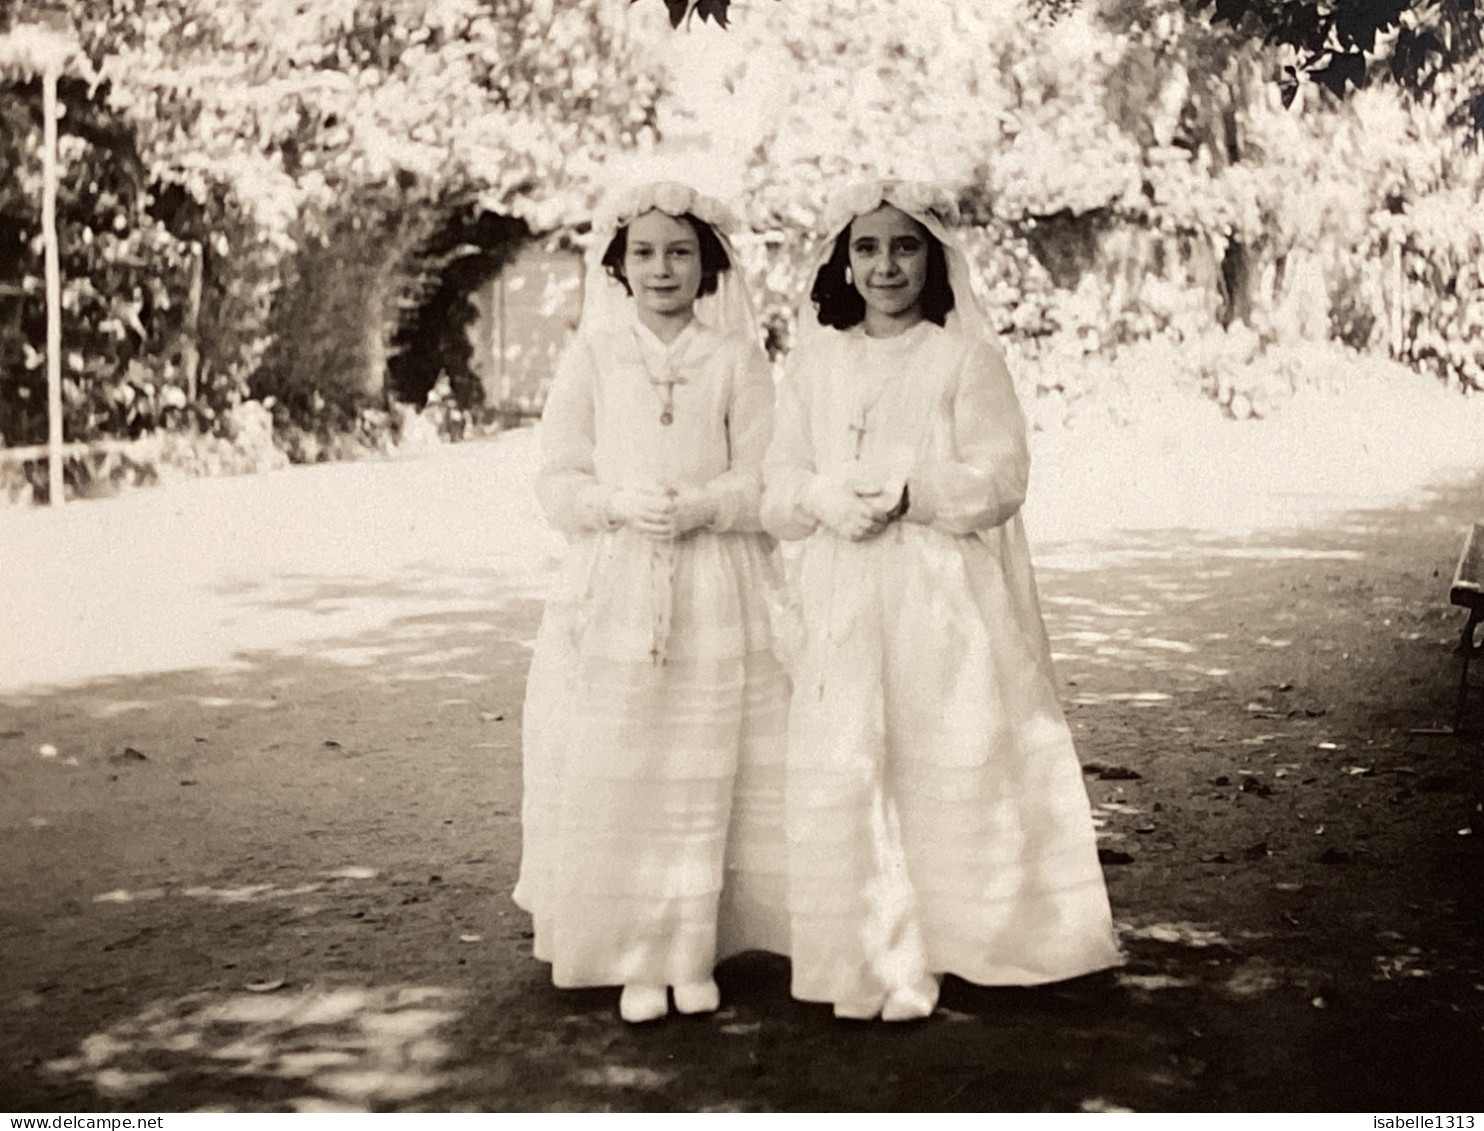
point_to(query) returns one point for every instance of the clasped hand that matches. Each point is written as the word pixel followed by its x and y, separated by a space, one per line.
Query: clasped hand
pixel 661 513
pixel 854 509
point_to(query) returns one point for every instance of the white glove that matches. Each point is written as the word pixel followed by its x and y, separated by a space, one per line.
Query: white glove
pixel 845 509
pixel 648 511
pixel 694 508
pixel 888 499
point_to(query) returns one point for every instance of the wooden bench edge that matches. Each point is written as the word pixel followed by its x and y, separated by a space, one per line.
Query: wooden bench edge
pixel 1468 590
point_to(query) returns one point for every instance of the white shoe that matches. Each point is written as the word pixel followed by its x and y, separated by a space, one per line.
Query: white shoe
pixel 640 1003
pixel 911 1003
pixel 858 1010
pixel 698 997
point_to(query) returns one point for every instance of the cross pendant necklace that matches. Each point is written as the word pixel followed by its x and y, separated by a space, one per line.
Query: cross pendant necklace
pixel 663 385
pixel 860 428
pixel 667 398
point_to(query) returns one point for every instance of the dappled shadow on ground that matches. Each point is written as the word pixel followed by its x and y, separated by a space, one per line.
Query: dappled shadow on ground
pixel 344 1049
pixel 283 883
pixel 187 578
pixel 410 628
pixel 300 819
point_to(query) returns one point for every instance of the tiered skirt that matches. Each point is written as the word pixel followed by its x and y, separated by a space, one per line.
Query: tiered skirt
pixel 937 818
pixel 654 738
pixel 932 820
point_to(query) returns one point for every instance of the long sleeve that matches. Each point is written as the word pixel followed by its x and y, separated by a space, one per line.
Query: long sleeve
pixel 985 486
pixel 790 464
pixel 737 492
pixel 567 486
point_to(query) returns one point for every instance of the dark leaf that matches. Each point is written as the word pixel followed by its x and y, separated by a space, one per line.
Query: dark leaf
pixel 1413 50
pixel 1342 71
pixel 1358 21
pixel 1231 11
pixel 713 9
pixel 129 755
pixel 1114 856
pixel 1298 25
pixel 1119 773
pixel 678 10
pixel 1258 851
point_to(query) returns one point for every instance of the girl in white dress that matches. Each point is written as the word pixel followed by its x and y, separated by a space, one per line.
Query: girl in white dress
pixel 937 819
pixel 655 710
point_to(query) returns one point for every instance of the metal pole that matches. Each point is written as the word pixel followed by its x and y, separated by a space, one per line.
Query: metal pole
pixel 55 489
pixel 502 367
pixel 190 352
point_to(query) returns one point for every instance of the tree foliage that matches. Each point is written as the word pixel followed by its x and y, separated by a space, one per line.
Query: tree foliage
pixel 224 159
pixel 1344 43
pixel 682 11
pixel 1130 175
pixel 1340 44
pixel 258 199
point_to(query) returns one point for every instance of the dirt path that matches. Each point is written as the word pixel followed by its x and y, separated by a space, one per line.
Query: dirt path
pixel 1300 899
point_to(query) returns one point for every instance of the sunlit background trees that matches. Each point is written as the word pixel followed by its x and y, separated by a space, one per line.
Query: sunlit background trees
pixel 288 209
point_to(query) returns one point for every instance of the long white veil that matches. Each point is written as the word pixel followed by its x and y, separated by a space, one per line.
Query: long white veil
pixel 932 207
pixel 605 303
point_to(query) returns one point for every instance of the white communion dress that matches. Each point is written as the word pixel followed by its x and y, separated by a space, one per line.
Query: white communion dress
pixel 655 713
pixel 937 818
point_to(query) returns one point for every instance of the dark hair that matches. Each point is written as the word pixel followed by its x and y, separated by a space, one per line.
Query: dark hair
pixel 714 257
pixel 841 306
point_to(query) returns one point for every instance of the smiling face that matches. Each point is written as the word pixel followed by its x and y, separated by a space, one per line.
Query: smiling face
pixel 662 263
pixel 889 260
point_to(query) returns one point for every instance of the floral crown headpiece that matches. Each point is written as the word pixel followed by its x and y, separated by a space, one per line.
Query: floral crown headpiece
pixel 671 198
pixel 917 198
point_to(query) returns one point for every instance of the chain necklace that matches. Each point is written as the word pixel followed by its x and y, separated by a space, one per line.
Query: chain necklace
pixel 663 385
pixel 860 424
pixel 662 554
